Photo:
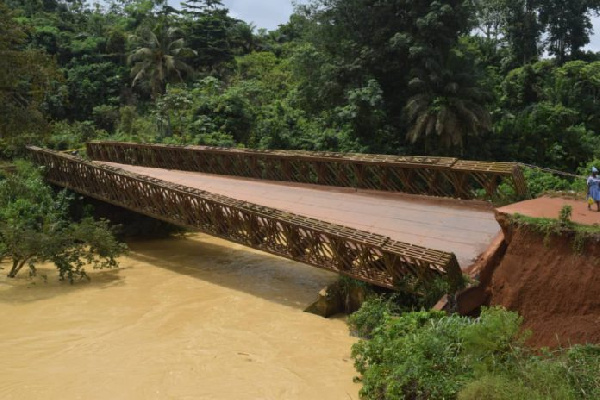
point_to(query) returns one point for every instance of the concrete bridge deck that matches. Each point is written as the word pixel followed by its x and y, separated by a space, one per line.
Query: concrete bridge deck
pixel 464 228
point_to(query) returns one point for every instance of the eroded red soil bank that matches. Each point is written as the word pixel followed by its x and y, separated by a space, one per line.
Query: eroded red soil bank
pixel 556 290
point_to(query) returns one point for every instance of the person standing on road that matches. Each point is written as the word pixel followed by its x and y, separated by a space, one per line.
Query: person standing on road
pixel 593 183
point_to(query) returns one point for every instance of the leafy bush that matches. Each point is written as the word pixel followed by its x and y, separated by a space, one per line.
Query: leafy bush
pixel 429 355
pixel 582 369
pixel 135 128
pixel 498 387
pixel 415 356
pixel 70 136
pixel 540 182
pixel 565 374
pixel 372 314
pixel 35 228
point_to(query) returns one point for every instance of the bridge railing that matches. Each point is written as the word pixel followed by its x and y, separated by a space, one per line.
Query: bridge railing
pixel 361 255
pixel 433 176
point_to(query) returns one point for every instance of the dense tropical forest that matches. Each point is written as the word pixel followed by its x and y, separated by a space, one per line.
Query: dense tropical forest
pixel 480 79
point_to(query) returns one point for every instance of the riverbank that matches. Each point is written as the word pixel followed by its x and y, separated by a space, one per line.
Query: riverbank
pixel 545 271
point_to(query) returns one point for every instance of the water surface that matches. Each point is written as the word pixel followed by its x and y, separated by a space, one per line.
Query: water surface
pixel 184 318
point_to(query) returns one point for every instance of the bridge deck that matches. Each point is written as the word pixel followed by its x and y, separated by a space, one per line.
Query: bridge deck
pixel 447 225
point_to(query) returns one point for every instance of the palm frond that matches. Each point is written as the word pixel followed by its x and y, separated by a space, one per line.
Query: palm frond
pixel 416 131
pixel 431 123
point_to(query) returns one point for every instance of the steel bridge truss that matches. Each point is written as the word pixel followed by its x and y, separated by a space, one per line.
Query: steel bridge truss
pixel 433 176
pixel 361 255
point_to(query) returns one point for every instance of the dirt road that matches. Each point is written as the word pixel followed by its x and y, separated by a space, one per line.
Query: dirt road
pixel 549 207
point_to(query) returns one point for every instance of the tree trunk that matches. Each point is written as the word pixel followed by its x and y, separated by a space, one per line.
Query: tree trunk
pixel 16 267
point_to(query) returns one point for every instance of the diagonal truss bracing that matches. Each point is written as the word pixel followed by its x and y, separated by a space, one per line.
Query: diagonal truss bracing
pixel 433 176
pixel 361 255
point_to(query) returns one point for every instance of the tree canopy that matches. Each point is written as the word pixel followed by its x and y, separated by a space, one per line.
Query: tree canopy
pixel 487 79
pixel 24 79
pixel 498 80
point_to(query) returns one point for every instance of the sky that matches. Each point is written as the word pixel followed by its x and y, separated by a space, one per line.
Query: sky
pixel 267 14
pixel 263 13
pixel 595 40
pixel 271 13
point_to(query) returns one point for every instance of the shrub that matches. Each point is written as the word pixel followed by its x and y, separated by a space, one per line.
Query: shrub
pixel 582 369
pixel 497 388
pixel 429 355
pixel 415 356
pixel 540 182
pixel 372 314
pixel 35 228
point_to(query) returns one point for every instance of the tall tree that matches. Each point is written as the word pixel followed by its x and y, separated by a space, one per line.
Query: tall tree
pixel 568 24
pixel 522 30
pixel 206 25
pixel 25 75
pixel 389 42
pixel 448 107
pixel 510 24
pixel 158 58
pixel 488 18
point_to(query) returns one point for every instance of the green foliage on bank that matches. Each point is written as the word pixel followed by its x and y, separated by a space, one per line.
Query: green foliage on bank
pixel 35 227
pixel 562 226
pixel 431 355
pixel 542 182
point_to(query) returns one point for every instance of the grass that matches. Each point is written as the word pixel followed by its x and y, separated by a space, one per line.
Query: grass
pixel 561 226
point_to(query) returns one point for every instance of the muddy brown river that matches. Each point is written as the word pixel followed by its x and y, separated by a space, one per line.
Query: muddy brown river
pixel 183 318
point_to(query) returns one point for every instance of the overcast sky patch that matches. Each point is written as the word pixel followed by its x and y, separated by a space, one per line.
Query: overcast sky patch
pixel 270 14
pixel 267 14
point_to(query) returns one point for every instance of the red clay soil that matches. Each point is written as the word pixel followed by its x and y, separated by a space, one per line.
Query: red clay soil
pixel 555 290
pixel 549 207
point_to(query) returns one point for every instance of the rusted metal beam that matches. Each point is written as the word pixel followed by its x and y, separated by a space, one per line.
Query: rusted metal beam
pixel 433 176
pixel 361 255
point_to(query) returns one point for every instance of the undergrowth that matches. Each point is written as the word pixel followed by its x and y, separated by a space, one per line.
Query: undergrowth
pixel 381 302
pixel 431 355
pixel 540 183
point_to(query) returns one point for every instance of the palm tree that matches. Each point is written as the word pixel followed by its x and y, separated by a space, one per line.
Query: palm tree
pixel 243 37
pixel 451 107
pixel 157 58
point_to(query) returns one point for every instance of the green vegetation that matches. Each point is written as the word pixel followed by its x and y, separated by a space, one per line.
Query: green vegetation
pixel 24 80
pixel 35 227
pixel 397 77
pixel 373 313
pixel 540 182
pixel 429 355
pixel 560 226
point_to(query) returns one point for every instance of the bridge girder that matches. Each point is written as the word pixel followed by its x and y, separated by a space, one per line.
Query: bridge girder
pixel 358 254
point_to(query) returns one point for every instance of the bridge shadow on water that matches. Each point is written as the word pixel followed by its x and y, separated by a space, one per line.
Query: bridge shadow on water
pixel 218 262
pixel 211 260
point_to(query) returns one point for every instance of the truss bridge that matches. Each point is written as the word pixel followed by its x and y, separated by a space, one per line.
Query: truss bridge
pixel 393 221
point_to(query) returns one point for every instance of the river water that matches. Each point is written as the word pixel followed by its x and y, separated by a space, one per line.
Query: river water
pixel 183 318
